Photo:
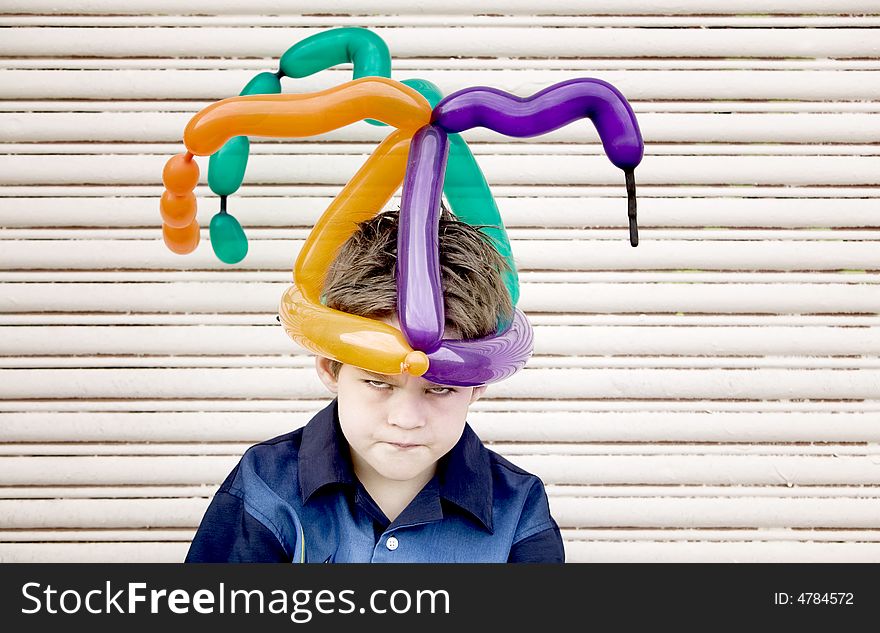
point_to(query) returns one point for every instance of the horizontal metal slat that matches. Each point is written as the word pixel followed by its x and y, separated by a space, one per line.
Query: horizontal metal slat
pixel 731 492
pixel 384 7
pixel 586 340
pixel 611 253
pixel 136 552
pixel 636 298
pixel 120 210
pixel 101 513
pixel 636 85
pixel 135 535
pixel 757 470
pixel 656 127
pixel 74 536
pixel 576 552
pixel 760 512
pixel 687 106
pixel 506 446
pixel 706 552
pixel 280 149
pixel 709 513
pixel 706 470
pixel 468 41
pixel 535 426
pixel 642 383
pixel 574 170
pixel 581 20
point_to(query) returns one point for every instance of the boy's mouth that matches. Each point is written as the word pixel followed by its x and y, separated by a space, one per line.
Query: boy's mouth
pixel 403 446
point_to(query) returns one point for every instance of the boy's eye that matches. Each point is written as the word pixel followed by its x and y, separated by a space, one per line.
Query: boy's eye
pixel 378 384
pixel 440 391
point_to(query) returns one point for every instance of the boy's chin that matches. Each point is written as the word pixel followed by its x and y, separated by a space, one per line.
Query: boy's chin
pixel 401 472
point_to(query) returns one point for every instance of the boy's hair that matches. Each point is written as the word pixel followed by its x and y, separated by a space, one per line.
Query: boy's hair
pixel 361 280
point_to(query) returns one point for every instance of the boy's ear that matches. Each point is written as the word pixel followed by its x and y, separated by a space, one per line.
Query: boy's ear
pixel 478 393
pixel 322 366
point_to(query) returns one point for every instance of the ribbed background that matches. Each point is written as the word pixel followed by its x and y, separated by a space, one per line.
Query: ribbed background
pixel 712 395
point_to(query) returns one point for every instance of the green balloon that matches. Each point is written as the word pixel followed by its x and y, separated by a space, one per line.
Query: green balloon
pixel 465 185
pixel 263 84
pixel 227 165
pixel 427 89
pixel 348 45
pixel 468 192
pixel 227 238
pixel 472 202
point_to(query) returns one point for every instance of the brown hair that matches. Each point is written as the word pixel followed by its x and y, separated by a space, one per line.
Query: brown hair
pixel 361 280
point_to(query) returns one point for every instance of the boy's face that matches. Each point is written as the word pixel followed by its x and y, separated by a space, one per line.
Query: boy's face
pixel 397 426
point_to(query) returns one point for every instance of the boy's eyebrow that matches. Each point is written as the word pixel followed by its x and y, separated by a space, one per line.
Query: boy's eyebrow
pixel 390 379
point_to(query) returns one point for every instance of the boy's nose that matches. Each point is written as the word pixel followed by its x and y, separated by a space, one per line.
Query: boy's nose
pixel 405 411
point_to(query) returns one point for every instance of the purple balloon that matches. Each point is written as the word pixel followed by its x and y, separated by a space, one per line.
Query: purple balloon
pixel 467 363
pixel 548 110
pixel 419 288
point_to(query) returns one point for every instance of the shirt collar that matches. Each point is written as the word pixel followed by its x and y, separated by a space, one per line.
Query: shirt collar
pixel 323 458
pixel 464 475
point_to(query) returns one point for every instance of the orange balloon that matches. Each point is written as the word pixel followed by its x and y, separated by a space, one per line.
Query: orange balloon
pixel 181 174
pixel 361 199
pixel 348 338
pixel 177 211
pixel 298 115
pixel 183 240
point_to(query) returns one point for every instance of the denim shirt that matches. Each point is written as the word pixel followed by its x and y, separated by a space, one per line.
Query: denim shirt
pixel 295 498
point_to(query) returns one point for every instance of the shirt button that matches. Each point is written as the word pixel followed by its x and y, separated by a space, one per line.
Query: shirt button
pixel 392 543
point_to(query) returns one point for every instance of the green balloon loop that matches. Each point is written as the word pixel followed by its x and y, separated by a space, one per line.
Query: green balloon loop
pixel 227 238
pixel 348 45
pixel 227 165
pixel 354 45
pixel 468 192
pixel 472 202
pixel 465 186
pixel 427 89
pixel 265 83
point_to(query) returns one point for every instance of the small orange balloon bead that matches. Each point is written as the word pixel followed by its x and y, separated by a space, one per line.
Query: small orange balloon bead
pixel 181 174
pixel 183 240
pixel 415 364
pixel 178 211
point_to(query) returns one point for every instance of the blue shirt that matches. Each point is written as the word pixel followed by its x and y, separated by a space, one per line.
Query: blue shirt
pixel 295 498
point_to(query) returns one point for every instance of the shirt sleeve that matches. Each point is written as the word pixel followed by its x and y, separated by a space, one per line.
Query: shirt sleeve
pixel 538 539
pixel 229 534
pixel 543 547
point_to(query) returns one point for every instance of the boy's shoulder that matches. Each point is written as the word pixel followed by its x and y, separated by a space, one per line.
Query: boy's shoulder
pixel 503 495
pixel 499 462
pixel 279 445
pixel 506 477
pixel 270 460
pixel 275 461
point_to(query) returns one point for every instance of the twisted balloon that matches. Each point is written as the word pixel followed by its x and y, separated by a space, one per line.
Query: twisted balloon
pixel 424 153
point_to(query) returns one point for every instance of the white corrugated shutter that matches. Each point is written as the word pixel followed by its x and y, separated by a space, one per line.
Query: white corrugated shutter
pixel 712 395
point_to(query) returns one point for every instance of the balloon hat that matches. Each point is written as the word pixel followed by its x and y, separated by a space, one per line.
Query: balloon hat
pixel 424 153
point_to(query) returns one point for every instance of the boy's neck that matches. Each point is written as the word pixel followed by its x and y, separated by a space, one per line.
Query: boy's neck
pixel 390 495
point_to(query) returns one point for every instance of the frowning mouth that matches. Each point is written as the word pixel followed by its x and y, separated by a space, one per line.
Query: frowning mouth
pixel 403 446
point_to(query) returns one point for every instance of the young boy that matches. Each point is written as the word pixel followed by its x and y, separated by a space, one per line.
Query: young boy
pixel 389 471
